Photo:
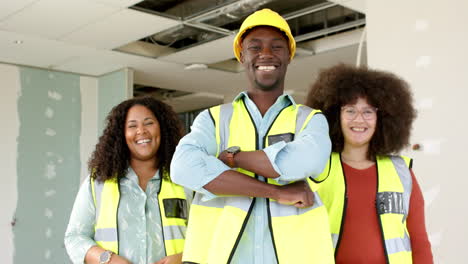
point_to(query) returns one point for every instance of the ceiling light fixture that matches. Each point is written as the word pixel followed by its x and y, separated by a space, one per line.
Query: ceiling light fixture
pixel 196 67
pixel 18 41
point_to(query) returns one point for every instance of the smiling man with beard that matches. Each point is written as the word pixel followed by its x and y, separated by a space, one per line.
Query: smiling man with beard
pixel 253 163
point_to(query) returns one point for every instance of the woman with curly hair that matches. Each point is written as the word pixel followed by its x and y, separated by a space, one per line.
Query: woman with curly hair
pixel 375 204
pixel 128 210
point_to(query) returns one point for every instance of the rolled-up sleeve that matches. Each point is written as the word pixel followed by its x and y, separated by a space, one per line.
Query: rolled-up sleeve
pixel 80 231
pixel 194 163
pixel 304 157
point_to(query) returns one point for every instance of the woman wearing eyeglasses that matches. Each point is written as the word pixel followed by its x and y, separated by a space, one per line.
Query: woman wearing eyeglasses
pixel 374 202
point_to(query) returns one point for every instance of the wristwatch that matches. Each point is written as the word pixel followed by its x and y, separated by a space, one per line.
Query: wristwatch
pixel 105 257
pixel 230 152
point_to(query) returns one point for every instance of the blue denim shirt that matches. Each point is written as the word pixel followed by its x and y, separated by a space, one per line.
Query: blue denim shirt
pixel 194 165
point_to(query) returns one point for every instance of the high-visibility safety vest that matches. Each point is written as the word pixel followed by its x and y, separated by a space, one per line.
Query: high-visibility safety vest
pixel 394 185
pixel 299 235
pixel 172 206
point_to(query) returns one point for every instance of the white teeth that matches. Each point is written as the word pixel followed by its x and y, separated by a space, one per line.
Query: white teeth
pixel 141 141
pixel 266 68
pixel 358 129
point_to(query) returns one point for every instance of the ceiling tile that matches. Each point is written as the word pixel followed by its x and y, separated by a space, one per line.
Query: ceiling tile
pixel 119 29
pixel 10 7
pixel 35 51
pixel 55 18
pixel 84 30
pixel 93 63
pixel 208 53
pixel 358 5
pixel 120 3
pixel 103 61
pixel 194 101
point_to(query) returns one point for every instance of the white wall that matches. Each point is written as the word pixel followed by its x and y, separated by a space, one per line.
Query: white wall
pixel 10 126
pixel 89 122
pixel 425 43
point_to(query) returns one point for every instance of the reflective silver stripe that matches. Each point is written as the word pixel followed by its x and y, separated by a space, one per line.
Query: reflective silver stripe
pixel 398 244
pixel 225 114
pixel 334 239
pixel 174 232
pixel 302 114
pixel 390 203
pixel 98 187
pixel 405 178
pixel 216 202
pixel 105 234
pixel 279 210
pixel 242 203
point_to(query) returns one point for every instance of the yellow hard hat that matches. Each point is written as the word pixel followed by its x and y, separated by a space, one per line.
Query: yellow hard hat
pixel 264 17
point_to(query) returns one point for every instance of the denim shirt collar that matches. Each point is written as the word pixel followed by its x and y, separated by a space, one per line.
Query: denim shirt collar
pixel 282 97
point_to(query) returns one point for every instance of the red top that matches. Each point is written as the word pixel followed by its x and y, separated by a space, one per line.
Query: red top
pixel 361 241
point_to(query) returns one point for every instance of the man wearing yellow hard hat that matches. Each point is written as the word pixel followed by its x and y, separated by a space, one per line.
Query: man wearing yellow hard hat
pixel 252 164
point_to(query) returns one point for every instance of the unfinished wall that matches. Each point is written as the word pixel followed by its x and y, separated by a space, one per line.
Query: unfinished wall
pixel 50 125
pixel 425 43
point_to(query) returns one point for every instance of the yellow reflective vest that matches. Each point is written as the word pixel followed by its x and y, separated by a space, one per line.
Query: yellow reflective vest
pixel 299 235
pixel 172 206
pixel 392 203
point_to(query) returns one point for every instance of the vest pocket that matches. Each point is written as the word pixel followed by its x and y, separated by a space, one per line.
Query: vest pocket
pixel 286 137
pixel 390 203
pixel 175 208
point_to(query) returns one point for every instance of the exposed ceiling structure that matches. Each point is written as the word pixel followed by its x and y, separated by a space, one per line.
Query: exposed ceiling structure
pixel 180 50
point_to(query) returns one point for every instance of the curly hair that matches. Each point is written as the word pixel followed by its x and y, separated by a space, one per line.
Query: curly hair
pixel 111 158
pixel 343 84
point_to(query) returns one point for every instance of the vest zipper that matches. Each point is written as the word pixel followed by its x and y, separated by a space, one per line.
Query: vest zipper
pixel 241 231
pixel 244 224
pixel 117 215
pixel 378 216
pixel 161 213
pixel 267 200
pixel 345 205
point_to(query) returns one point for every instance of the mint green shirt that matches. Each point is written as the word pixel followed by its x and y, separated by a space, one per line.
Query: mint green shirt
pixel 139 221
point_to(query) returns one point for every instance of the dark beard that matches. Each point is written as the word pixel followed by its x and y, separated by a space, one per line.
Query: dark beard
pixel 267 87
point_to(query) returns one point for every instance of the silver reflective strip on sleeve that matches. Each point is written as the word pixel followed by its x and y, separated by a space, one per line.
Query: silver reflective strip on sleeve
pixel 279 210
pixel 106 234
pixel 216 202
pixel 239 202
pixel 334 239
pixel 98 186
pixel 225 114
pixel 174 232
pixel 405 178
pixel 398 244
pixel 302 114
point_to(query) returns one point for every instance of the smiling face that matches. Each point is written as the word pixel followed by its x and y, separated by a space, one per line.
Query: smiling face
pixel 142 133
pixel 358 123
pixel 265 57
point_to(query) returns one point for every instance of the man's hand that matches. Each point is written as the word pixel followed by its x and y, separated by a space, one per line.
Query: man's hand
pixel 172 259
pixel 223 156
pixel 297 194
